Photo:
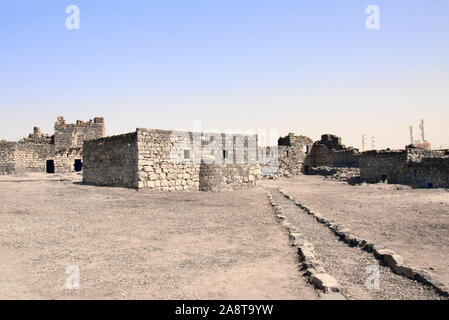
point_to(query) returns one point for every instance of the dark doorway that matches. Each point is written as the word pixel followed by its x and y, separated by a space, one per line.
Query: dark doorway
pixel 384 178
pixel 306 169
pixel 78 165
pixel 50 166
pixel 430 185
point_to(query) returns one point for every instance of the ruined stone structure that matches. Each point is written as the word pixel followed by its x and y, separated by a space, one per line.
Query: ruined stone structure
pixel 292 152
pixel 412 166
pixel 61 152
pixel 172 160
pixel 330 152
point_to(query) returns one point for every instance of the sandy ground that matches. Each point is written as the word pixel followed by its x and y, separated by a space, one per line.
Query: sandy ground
pixel 141 245
pixel 412 222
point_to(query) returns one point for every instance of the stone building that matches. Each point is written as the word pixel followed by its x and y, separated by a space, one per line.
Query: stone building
pixel 412 166
pixel 330 152
pixel 61 152
pixel 172 160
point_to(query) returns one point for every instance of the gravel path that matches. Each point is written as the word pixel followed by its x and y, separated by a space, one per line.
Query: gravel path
pixel 349 265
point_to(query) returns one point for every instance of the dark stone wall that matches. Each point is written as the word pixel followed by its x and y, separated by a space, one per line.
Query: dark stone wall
pixel 413 166
pixel 111 161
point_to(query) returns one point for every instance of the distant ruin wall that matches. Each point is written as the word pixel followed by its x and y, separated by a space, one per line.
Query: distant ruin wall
pixel 415 167
pixel 376 166
pixel 111 161
pixel 330 152
pixel 292 152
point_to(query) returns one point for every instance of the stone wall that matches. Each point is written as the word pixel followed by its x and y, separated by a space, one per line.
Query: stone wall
pixel 172 160
pixel 32 157
pixel 292 152
pixel 7 158
pixel 111 161
pixel 413 166
pixel 24 157
pixel 72 135
pixel 65 159
pixel 31 153
pixel 177 160
pixel 331 153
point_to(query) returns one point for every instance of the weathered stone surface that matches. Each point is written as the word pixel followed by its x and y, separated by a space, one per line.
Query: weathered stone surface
pixel 325 282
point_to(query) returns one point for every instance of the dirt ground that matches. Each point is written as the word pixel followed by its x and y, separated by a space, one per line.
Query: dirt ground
pixel 141 245
pixel 130 244
pixel 412 222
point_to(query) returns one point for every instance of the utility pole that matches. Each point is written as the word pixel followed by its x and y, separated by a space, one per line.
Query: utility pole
pixel 421 126
pixel 411 135
pixel 372 143
pixel 363 143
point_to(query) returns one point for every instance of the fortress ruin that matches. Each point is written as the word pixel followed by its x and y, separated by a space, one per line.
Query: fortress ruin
pixel 179 160
pixel 57 153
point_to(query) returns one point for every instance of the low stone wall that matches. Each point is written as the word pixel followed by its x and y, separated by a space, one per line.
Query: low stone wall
pixel 111 161
pixel 228 177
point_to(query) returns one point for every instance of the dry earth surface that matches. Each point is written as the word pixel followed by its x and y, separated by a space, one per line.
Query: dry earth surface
pixel 132 244
pixel 412 222
pixel 141 245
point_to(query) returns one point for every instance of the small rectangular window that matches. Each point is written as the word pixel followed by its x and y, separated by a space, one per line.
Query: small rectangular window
pixel 225 154
pixel 186 154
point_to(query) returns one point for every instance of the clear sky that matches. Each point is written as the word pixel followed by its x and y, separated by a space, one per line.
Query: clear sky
pixel 303 66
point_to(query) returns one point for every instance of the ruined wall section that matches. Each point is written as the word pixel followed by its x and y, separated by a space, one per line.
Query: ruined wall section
pixel 292 152
pixel 329 152
pixel 111 161
pixel 382 165
pixel 73 135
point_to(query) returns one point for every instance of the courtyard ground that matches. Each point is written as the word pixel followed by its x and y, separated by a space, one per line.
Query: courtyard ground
pixel 141 245
pixel 130 244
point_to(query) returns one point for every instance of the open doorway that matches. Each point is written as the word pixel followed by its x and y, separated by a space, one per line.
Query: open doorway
pixel 50 166
pixel 78 165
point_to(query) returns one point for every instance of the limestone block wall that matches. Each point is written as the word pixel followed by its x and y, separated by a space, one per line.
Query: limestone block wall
pixel 156 168
pixel 228 176
pixel 32 157
pixel 111 161
pixel 65 159
pixel 177 160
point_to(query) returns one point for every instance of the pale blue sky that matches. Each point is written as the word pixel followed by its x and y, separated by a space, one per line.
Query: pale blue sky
pixel 308 67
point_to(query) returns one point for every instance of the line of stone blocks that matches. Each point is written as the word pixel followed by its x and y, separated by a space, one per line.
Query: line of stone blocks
pixel 387 257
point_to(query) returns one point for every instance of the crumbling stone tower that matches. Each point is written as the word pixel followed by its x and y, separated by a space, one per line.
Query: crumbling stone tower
pixel 72 135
